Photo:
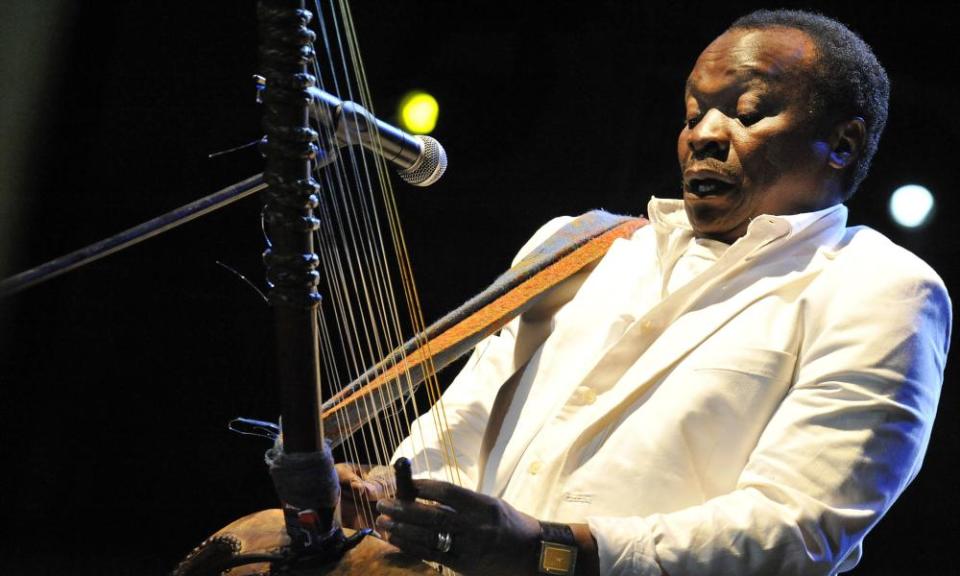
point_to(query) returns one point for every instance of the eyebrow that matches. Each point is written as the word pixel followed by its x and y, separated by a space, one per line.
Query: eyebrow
pixel 753 75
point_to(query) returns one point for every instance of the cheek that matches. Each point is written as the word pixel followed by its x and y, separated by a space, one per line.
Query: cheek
pixel 777 158
pixel 766 159
pixel 682 146
pixel 821 150
pixel 801 157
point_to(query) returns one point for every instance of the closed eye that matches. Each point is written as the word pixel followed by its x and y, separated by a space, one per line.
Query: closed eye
pixel 750 118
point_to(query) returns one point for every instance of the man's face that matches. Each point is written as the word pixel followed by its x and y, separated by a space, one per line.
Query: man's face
pixel 749 145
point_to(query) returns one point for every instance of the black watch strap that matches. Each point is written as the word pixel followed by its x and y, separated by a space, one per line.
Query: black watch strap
pixel 558 549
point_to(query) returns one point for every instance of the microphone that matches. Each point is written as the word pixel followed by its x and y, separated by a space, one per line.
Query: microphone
pixel 421 160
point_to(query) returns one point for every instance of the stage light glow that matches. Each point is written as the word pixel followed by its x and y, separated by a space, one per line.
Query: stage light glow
pixel 911 205
pixel 418 112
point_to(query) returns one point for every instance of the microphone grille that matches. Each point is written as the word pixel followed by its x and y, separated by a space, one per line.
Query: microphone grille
pixel 430 166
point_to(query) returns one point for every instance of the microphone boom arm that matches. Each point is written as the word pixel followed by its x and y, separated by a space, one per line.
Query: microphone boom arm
pixel 131 236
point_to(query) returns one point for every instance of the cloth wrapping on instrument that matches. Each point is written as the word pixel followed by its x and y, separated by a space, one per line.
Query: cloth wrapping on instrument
pixel 307 485
pixel 304 480
pixel 567 251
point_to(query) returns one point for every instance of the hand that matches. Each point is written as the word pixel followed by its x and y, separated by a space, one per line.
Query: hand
pixel 360 489
pixel 489 536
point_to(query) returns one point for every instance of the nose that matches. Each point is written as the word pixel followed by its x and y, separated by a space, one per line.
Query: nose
pixel 710 137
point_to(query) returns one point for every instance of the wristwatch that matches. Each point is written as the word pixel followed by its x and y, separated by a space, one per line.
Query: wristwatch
pixel 558 549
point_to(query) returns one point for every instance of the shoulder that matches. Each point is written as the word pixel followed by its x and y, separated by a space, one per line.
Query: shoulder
pixel 873 281
pixel 874 262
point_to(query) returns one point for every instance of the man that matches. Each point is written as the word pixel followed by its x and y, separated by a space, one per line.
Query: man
pixel 743 387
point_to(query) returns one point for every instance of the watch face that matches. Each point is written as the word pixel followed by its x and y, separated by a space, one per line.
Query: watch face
pixel 557 558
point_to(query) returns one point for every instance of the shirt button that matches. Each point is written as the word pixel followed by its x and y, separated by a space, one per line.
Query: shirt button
pixel 535 467
pixel 585 395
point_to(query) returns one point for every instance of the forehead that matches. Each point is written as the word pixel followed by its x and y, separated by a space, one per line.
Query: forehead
pixel 737 56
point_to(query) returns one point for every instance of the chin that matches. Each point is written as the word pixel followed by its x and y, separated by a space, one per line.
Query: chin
pixel 709 223
pixel 716 217
pixel 718 229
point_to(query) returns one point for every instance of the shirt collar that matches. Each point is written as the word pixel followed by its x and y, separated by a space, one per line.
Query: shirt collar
pixel 669 214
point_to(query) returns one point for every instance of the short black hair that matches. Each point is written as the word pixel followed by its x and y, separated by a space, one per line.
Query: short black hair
pixel 848 80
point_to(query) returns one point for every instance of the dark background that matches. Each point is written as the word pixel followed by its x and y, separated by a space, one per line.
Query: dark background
pixel 117 380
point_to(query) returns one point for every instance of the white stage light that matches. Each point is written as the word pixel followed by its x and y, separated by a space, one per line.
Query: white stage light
pixel 911 205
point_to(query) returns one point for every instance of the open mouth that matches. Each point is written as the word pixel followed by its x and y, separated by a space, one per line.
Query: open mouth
pixel 709 186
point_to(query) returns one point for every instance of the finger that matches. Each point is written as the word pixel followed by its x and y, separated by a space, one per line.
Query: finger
pixel 436 517
pixel 415 540
pixel 347 472
pixel 383 523
pixel 432 517
pixel 371 491
pixel 450 494
pixel 385 486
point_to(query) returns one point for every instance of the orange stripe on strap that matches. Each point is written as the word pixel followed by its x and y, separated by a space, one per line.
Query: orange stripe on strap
pixel 500 311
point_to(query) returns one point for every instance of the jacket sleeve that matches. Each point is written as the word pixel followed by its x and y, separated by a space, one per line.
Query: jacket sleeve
pixel 444 443
pixel 845 442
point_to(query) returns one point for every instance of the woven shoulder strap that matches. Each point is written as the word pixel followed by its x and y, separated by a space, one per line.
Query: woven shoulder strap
pixel 579 243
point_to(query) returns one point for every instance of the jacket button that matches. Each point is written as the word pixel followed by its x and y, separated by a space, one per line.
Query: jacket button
pixel 535 467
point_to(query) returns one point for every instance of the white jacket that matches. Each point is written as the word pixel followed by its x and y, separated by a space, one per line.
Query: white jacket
pixel 758 420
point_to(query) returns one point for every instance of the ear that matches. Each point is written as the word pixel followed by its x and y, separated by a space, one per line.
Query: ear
pixel 846 142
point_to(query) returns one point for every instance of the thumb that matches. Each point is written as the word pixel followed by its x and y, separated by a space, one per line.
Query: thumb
pixel 347 473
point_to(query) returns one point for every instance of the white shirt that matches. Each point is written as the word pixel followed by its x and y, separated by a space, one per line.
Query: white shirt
pixel 698 255
pixel 756 414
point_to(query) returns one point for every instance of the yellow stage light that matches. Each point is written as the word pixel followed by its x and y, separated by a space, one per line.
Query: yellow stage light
pixel 418 112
